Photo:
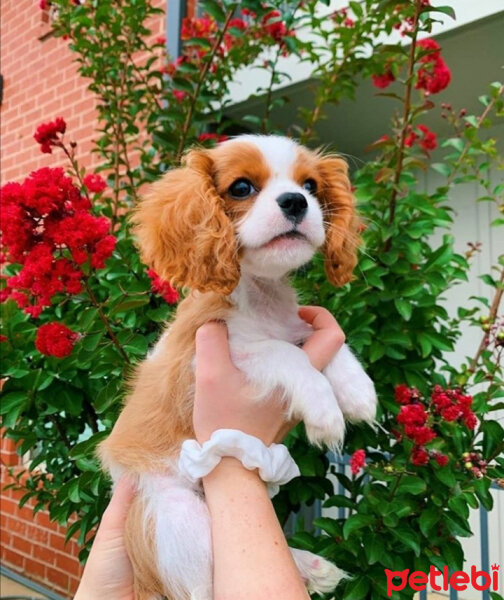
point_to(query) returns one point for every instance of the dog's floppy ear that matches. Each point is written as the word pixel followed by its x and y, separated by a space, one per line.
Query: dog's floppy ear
pixel 182 229
pixel 342 239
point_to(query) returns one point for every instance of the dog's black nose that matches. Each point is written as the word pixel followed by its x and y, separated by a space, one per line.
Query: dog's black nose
pixel 293 205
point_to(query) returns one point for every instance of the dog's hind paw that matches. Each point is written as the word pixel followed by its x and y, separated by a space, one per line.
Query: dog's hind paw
pixel 320 575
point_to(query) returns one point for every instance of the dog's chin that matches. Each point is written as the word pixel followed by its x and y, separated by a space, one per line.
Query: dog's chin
pixel 277 257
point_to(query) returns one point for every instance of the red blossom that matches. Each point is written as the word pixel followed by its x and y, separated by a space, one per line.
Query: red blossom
pixel 163 288
pixel 429 139
pixel 403 394
pixel 197 27
pixel 419 456
pixel 384 80
pixel 357 461
pixel 47 228
pixel 274 26
pixel 161 40
pixel 3 338
pixel 48 134
pixel 249 13
pixel 453 405
pixel 215 137
pixel 348 22
pixel 470 420
pixel 171 68
pixel 441 459
pixel 179 95
pixel 420 435
pixel 55 339
pixel 434 75
pixel 94 183
pixel 412 414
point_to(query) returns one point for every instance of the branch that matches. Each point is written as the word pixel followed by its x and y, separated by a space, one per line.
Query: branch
pixel 406 118
pixel 203 74
pixel 493 313
pixel 265 119
pixel 468 144
pixel 105 321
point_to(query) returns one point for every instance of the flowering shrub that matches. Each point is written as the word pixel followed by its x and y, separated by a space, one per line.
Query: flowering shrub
pixel 80 309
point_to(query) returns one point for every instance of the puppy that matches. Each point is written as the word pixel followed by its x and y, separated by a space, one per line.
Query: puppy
pixel 230 224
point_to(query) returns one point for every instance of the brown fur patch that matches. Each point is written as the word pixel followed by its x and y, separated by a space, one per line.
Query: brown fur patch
pixel 334 193
pixel 157 415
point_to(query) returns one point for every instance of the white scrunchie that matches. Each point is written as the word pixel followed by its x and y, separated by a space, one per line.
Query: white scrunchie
pixel 275 464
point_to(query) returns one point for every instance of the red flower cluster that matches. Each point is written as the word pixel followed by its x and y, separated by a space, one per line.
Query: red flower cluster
pixel 428 140
pixel 357 461
pixel 200 27
pixel 48 134
pixel 404 394
pixel 229 38
pixel 94 183
pixel 55 339
pixel 452 405
pixel 48 229
pixel 274 26
pixel 212 137
pixel 414 417
pixel 384 79
pixel 434 74
pixel 163 288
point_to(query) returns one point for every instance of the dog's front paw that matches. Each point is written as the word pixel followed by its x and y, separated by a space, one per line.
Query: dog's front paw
pixel 325 425
pixel 353 387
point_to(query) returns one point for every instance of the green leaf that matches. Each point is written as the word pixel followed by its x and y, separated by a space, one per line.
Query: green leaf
pixel 12 401
pixel 446 476
pixel 356 522
pixel 412 485
pixel 442 168
pixel 446 10
pixel 357 588
pixel 404 308
pixel 408 537
pixel 410 288
pixel 493 437
pixel 213 9
pixel 129 305
pixel 330 526
pixel 428 518
pixel 341 501
pixel 86 448
pixel 90 341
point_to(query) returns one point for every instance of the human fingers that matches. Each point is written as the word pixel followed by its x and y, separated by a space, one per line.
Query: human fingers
pixel 327 337
pixel 116 512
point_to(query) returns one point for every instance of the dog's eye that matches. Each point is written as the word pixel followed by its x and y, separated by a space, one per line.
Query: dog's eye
pixel 310 185
pixel 241 189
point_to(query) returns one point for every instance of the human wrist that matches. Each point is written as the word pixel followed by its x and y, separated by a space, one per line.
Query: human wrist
pixel 274 463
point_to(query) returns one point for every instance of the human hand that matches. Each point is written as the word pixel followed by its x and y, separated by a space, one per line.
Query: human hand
pixel 108 574
pixel 223 397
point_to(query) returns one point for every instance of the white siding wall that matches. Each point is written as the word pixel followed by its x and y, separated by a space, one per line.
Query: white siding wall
pixel 472 224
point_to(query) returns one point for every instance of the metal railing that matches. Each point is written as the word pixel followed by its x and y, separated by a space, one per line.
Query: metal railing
pixel 341 464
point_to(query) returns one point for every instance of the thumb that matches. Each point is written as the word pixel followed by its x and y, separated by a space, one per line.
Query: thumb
pixel 212 350
pixel 116 512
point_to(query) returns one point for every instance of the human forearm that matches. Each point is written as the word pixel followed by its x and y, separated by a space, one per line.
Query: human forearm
pixel 251 557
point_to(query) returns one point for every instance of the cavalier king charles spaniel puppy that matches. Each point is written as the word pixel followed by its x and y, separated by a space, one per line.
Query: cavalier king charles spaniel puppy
pixel 230 224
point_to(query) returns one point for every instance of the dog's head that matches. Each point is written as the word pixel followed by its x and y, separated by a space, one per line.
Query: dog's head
pixel 254 204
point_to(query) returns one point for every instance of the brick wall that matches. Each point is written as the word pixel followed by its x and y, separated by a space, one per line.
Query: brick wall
pixel 40 83
pixel 31 544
